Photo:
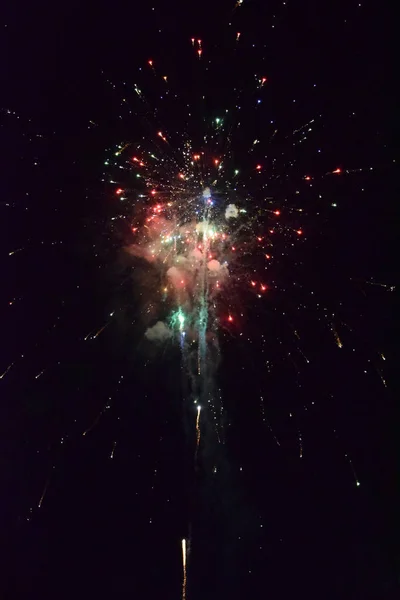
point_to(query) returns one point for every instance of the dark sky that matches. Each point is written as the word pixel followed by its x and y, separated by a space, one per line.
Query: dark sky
pixel 271 525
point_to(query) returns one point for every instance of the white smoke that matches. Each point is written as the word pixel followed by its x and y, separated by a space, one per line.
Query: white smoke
pixel 176 276
pixel 159 333
pixel 196 254
pixel 231 212
pixel 214 265
pixel 217 269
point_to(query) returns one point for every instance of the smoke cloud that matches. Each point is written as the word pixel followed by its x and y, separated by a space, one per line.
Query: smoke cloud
pixel 159 333
pixel 231 212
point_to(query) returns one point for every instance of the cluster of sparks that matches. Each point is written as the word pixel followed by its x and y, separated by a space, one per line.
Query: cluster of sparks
pixel 212 232
pixel 192 220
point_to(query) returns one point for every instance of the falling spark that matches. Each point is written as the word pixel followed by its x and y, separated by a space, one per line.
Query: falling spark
pixel 337 338
pixel 94 423
pixel 197 430
pixel 300 445
pixel 100 330
pixel 46 485
pixel 184 569
pixel 6 371
pixel 113 450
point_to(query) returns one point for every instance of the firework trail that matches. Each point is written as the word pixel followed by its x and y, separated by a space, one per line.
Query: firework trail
pixel 184 557
pixel 201 233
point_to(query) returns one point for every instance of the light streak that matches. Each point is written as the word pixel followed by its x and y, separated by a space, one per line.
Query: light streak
pixel 46 485
pixel 113 450
pixel 6 371
pixel 197 430
pixel 184 569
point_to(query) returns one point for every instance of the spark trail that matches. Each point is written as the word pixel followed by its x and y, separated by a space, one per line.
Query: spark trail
pixel 213 236
pixel 184 569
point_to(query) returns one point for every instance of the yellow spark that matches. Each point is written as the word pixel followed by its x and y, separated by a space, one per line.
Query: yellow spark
pixel 184 569
pixel 337 338
pixel 198 428
pixel 98 332
pixel 122 148
pixel 382 377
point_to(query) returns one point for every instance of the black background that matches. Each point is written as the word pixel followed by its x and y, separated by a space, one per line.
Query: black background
pixel 280 525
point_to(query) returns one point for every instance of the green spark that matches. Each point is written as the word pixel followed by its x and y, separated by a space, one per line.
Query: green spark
pixel 178 319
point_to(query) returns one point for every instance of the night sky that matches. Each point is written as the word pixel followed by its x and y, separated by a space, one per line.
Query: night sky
pixel 101 476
